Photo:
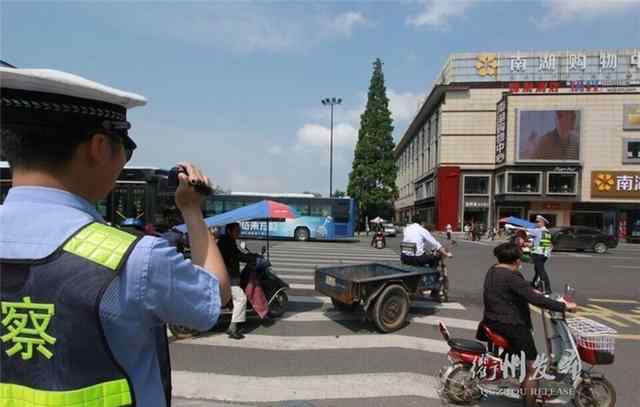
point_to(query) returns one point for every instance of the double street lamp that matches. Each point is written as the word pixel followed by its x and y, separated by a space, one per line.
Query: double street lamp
pixel 331 102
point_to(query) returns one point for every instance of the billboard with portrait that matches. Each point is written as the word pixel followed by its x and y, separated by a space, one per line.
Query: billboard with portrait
pixel 548 135
pixel 631 119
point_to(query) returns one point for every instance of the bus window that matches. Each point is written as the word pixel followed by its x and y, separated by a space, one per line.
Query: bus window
pixel 303 210
pixel 214 207
pixel 137 197
pixel 231 205
pixel 340 212
pixel 320 210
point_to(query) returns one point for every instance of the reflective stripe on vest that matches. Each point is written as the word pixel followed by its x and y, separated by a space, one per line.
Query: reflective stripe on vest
pixel 101 244
pixel 108 394
pixel 63 361
pixel 544 246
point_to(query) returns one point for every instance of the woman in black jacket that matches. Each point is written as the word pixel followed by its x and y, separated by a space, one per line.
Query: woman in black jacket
pixel 507 296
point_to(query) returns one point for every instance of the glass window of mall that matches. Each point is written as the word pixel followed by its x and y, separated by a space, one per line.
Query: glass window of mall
pixel 631 151
pixel 476 184
pixel 523 182
pixel 562 183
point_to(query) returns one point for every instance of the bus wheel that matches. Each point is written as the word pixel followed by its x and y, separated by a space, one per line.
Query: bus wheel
pixel 301 234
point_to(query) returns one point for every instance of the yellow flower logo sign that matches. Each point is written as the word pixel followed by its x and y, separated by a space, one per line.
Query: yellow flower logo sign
pixel 487 65
pixel 604 182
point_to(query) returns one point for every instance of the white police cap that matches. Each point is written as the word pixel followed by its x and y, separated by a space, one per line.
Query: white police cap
pixel 53 98
pixel 63 83
pixel 541 218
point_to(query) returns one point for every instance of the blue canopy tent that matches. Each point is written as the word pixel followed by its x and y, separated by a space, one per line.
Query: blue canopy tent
pixel 512 220
pixel 266 210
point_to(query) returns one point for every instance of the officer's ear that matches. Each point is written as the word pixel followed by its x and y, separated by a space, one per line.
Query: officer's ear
pixel 101 149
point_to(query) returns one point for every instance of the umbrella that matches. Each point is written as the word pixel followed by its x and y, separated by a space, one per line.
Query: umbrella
pixel 518 222
pixel 266 210
pixel 378 219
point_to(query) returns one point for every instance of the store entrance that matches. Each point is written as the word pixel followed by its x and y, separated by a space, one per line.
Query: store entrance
pixel 478 216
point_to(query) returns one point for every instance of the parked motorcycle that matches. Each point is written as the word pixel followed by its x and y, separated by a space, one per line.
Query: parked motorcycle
pixel 476 371
pixel 275 291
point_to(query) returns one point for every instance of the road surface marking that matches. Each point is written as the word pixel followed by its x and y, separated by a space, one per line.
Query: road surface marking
pixel 296 276
pixel 626 267
pixel 248 389
pixel 629 337
pixel 302 287
pixel 316 316
pixel 416 304
pixel 297 343
pixel 614 301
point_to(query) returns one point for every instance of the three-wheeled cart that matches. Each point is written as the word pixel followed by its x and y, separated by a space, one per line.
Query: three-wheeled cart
pixel 384 290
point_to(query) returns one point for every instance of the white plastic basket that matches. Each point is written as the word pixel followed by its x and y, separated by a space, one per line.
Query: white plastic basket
pixel 592 335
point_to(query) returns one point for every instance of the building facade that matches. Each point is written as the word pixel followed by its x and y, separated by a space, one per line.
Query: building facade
pixel 501 134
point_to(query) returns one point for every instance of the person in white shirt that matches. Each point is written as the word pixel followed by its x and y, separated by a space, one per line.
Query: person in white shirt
pixel 425 243
pixel 449 230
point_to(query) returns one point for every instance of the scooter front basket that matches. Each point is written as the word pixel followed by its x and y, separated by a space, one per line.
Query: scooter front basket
pixel 596 342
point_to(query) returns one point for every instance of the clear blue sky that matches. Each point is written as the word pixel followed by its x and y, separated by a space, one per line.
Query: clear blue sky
pixel 236 86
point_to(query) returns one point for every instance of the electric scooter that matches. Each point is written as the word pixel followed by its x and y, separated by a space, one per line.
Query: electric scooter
pixel 476 371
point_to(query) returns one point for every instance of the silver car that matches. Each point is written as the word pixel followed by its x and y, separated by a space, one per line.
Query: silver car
pixel 389 229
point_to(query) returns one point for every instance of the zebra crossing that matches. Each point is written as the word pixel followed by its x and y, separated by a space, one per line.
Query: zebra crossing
pixel 316 354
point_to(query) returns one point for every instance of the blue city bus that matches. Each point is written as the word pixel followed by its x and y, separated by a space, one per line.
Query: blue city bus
pixel 319 218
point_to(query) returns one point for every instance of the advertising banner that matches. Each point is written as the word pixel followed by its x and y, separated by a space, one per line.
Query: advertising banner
pixel 549 135
pixel 615 184
pixel 631 119
pixel 501 131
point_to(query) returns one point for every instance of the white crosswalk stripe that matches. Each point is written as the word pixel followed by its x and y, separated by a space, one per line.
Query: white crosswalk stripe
pixel 307 331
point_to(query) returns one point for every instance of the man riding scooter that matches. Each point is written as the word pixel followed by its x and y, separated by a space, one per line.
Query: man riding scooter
pixel 379 237
pixel 232 257
pixel 418 235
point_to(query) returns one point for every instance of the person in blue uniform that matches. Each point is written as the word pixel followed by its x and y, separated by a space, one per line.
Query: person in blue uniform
pixel 85 305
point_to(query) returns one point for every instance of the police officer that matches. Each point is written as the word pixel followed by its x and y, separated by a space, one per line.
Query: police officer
pixel 540 252
pixel 84 305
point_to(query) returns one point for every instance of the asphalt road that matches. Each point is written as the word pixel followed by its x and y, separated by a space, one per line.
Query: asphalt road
pixel 315 356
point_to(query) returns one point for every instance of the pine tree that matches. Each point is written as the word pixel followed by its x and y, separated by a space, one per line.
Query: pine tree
pixel 372 181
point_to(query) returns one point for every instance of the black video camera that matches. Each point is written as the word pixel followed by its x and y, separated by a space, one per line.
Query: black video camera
pixel 173 182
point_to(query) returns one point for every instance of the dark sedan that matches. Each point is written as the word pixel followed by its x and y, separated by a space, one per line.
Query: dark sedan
pixel 582 238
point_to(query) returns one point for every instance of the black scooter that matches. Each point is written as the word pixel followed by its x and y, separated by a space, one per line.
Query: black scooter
pixel 275 290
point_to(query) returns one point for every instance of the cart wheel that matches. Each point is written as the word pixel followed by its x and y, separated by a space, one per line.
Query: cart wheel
pixel 391 309
pixel 182 332
pixel 279 304
pixel 343 306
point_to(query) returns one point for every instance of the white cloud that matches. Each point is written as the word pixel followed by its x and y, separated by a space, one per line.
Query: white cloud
pixel 343 24
pixel 562 11
pixel 403 106
pixel 436 13
pixel 315 135
pixel 275 150
pixel 243 28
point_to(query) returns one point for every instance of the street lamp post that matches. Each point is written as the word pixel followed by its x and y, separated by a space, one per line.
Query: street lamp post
pixel 331 102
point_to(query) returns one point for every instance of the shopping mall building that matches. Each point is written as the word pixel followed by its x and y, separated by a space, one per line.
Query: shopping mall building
pixel 524 133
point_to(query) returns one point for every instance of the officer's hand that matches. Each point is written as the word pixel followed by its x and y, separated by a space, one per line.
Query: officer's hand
pixel 187 198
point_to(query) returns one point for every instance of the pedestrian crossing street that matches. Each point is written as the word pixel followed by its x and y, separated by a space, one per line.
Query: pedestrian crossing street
pixel 317 354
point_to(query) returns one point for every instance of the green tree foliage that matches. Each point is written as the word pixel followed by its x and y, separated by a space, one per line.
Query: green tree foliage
pixel 339 194
pixel 372 181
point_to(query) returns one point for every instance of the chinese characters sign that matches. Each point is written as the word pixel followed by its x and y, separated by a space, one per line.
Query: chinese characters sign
pixel 569 65
pixel 615 184
pixel 501 131
pixel 25 327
